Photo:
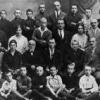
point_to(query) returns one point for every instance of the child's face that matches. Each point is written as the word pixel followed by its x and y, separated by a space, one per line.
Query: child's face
pixel 9 76
pixel 39 71
pixel 70 69
pixel 23 71
pixel 88 70
pixel 53 71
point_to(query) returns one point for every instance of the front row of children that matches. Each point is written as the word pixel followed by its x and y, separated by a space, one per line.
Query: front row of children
pixel 43 86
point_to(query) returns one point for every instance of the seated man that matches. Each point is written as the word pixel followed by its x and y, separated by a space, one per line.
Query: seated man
pixel 9 89
pixel 74 54
pixel 24 83
pixel 52 55
pixel 87 83
pixel 32 58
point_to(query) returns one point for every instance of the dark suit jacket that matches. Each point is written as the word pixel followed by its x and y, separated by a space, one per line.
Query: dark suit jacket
pixel 72 18
pixel 6 26
pixel 15 22
pixel 52 20
pixel 47 35
pixel 39 16
pixel 31 24
pixel 56 59
pixel 12 62
pixel 35 59
pixel 61 43
pixel 75 56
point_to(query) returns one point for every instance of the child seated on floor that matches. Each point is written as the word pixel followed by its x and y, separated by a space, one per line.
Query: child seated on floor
pixel 71 79
pixel 87 83
pixel 24 83
pixel 9 89
pixel 40 91
pixel 55 84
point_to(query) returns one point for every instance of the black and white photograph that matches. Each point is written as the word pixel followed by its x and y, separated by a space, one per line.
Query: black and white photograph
pixel 49 49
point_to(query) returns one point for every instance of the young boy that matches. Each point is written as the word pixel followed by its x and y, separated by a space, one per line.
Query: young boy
pixel 55 84
pixel 9 89
pixel 24 83
pixel 39 85
pixel 87 83
pixel 71 79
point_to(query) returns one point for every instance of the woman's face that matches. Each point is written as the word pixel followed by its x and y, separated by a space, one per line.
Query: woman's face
pixel 19 31
pixel 80 29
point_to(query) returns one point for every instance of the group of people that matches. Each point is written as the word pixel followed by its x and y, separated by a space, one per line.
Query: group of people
pixel 50 56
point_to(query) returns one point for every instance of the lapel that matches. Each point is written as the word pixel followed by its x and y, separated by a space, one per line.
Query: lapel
pixel 54 17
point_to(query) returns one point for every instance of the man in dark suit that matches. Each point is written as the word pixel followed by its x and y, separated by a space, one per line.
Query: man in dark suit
pixel 61 36
pixel 32 57
pixel 5 25
pixel 72 20
pixel 42 13
pixel 29 24
pixel 42 34
pixel 52 56
pixel 74 54
pixel 57 14
pixel 17 20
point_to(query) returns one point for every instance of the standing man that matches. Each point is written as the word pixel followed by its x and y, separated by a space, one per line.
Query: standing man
pixel 42 13
pixel 57 14
pixel 72 20
pixel 42 34
pixel 17 20
pixel 29 24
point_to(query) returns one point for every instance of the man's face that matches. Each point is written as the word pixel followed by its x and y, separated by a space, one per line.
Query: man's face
pixel 52 43
pixel 61 24
pixel 88 12
pixel 3 14
pixel 43 23
pixel 23 71
pixel 17 14
pixel 57 6
pixel 13 46
pixel 29 14
pixel 93 42
pixel 75 45
pixel 94 24
pixel 32 45
pixel 42 8
pixel 74 9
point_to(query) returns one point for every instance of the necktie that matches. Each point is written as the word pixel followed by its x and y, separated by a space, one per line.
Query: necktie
pixel 57 15
pixel 61 33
